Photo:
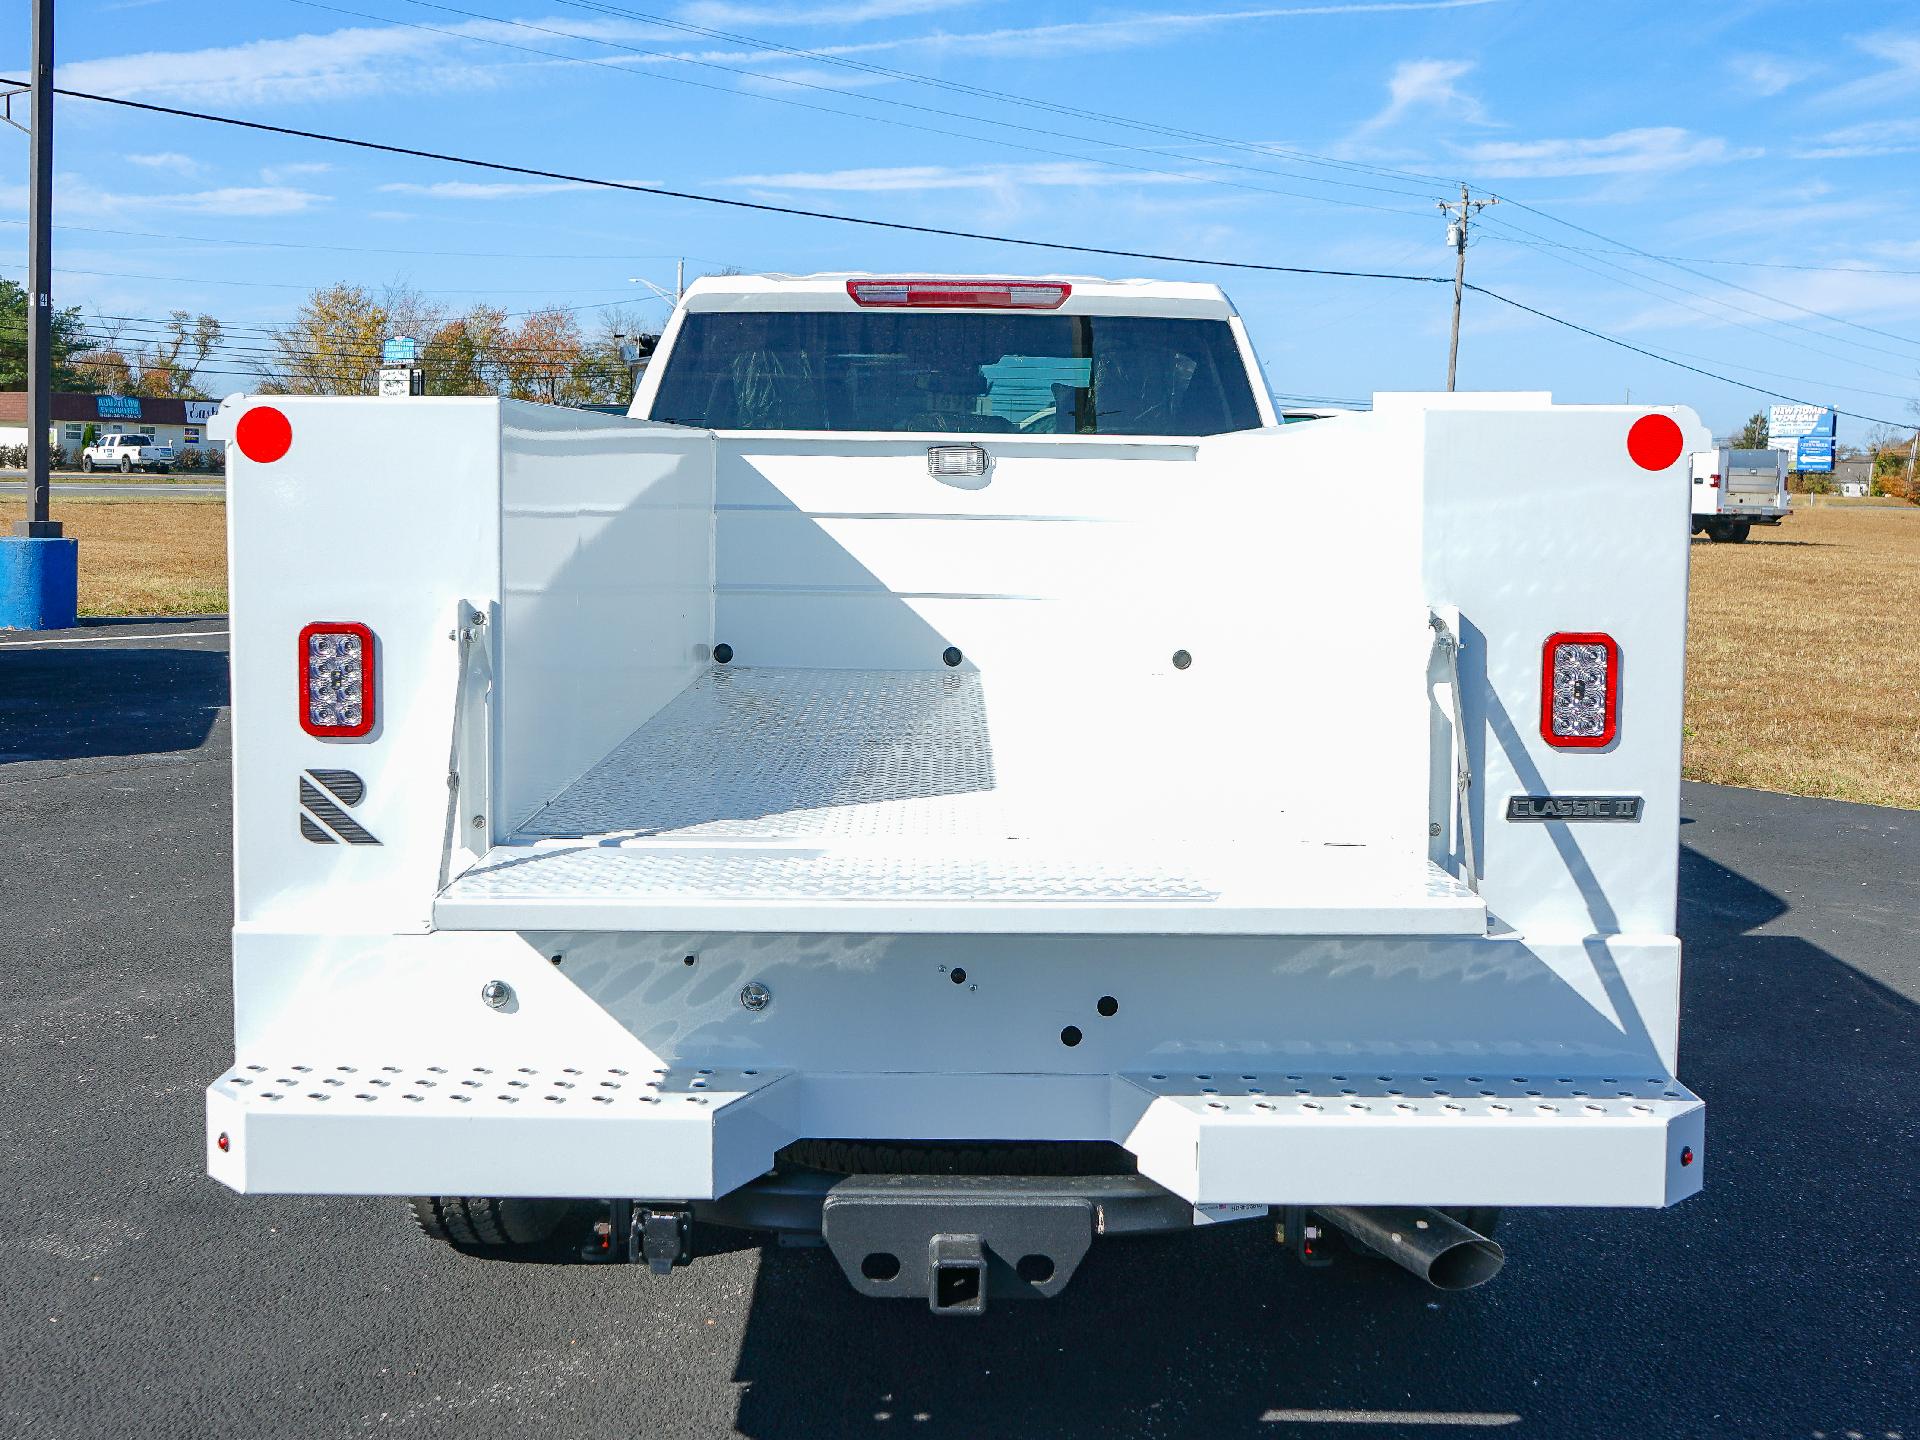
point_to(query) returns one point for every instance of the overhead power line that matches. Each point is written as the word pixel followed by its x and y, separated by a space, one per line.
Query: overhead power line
pixel 767 207
pixel 731 91
pixel 762 206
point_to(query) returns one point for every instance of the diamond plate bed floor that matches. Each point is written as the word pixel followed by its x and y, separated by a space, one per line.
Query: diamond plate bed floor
pixel 816 801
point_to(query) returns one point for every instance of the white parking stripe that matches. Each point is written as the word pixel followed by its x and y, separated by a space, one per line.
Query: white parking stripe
pixel 104 639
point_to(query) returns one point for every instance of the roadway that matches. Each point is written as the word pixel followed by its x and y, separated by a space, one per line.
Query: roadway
pixel 142 1299
pixel 120 489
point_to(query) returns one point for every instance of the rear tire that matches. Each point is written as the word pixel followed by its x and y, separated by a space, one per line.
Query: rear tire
pixel 475 1225
pixel 1739 531
pixel 86 464
pixel 126 465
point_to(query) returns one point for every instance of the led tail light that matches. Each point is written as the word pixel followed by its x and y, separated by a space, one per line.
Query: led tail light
pixel 336 679
pixel 1580 691
pixel 962 294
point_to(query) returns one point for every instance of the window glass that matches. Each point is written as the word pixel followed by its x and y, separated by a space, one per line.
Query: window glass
pixel 982 374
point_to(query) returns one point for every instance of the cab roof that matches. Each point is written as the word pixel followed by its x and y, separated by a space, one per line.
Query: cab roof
pixel 1088 295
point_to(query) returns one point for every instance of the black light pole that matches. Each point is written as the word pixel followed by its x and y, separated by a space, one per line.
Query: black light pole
pixel 39 525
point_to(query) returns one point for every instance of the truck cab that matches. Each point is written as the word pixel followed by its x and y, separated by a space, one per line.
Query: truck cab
pixel 952 776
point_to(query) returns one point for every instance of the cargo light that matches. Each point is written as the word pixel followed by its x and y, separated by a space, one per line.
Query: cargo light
pixel 961 294
pixel 336 680
pixel 1579 691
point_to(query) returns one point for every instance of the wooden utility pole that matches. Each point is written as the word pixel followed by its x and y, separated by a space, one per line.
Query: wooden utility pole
pixel 39 524
pixel 1459 214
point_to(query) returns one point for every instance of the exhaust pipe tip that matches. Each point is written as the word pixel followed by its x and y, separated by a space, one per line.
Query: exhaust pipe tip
pixel 1430 1244
pixel 1466 1265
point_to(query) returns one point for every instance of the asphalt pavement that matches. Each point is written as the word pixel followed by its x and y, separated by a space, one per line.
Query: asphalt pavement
pixel 140 1298
pixel 122 489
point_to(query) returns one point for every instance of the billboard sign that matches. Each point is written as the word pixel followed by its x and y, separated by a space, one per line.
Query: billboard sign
pixel 1814 452
pixel 1787 423
pixel 117 407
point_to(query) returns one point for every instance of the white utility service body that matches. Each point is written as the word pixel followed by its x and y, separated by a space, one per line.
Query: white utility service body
pixel 1734 490
pixel 722 790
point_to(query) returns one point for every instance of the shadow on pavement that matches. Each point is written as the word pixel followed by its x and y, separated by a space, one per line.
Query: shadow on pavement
pixel 1768 1305
pixel 69 702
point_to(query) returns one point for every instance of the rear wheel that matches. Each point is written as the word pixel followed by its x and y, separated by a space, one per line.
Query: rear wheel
pixel 86 464
pixel 1739 531
pixel 475 1225
pixel 126 465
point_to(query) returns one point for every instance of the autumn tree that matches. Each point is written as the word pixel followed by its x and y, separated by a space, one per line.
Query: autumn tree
pixel 332 345
pixel 166 366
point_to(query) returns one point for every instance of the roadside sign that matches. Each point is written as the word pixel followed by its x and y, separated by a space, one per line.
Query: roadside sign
pixel 397 380
pixel 1787 423
pixel 1813 453
pixel 399 350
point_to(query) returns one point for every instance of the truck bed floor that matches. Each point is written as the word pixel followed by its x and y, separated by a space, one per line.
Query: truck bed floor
pixel 865 801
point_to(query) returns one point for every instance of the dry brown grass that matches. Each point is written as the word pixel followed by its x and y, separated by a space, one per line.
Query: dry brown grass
pixel 143 557
pixel 1803 662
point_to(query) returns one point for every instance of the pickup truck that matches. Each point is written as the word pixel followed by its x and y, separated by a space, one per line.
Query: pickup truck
pixel 1735 490
pixel 951 777
pixel 127 453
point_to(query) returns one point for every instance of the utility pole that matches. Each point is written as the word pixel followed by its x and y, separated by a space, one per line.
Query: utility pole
pixel 1459 214
pixel 679 279
pixel 39 525
pixel 39 566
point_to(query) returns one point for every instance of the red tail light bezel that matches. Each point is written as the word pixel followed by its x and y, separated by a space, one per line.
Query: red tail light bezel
pixel 1610 727
pixel 367 653
pixel 931 294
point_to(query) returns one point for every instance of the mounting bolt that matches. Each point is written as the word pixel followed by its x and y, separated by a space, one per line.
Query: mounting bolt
pixel 479 821
pixel 1434 828
pixel 755 997
pixel 496 994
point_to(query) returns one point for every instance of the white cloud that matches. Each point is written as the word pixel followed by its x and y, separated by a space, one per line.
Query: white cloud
pixel 235 200
pixel 167 160
pixel 1761 75
pixel 946 177
pixel 279 174
pixel 1899 56
pixel 1424 85
pixel 857 12
pixel 1625 152
pixel 1871 137
pixel 481 189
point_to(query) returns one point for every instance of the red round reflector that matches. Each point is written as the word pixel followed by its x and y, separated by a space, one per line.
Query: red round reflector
pixel 263 434
pixel 1655 442
pixel 1686 1154
pixel 223 1142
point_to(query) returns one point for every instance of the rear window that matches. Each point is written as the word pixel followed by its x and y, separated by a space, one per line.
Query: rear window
pixel 980 374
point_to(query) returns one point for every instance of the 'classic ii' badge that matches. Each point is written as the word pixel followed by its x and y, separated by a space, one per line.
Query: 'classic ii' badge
pixel 1616 808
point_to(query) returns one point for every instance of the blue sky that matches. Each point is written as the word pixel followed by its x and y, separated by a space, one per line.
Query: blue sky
pixel 1772 133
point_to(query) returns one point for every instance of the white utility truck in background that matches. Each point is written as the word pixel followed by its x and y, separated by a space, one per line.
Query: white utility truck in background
pixel 127 453
pixel 1735 490
pixel 952 776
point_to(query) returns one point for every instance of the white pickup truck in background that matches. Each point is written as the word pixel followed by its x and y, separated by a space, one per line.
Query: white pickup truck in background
pixel 952 776
pixel 127 453
pixel 1735 490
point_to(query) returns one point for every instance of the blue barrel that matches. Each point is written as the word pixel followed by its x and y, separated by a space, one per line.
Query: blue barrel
pixel 39 583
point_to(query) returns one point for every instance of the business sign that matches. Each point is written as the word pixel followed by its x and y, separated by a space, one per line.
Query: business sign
pixel 201 411
pixel 1787 423
pixel 1814 453
pixel 403 380
pixel 117 407
pixel 400 350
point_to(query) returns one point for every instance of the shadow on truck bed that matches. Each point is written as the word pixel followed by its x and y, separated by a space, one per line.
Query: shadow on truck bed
pixel 1765 1305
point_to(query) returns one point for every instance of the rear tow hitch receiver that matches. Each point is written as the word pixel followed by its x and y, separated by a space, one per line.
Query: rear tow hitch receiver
pixel 959 1266
pixel 959 1241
